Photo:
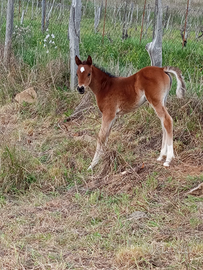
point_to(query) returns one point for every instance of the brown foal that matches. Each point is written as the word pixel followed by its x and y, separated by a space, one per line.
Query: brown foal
pixel 119 95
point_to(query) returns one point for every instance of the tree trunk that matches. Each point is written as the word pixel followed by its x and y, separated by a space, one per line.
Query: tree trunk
pixel 37 7
pixel 154 48
pixel 1 18
pixel 22 17
pixel 27 7
pixel 142 21
pixel 49 14
pixel 166 17
pixel 184 33
pixel 74 36
pixel 43 15
pixel 9 30
pixel 97 15
pixel 32 14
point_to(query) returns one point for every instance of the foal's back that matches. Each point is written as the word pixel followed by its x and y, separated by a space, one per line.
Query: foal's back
pixel 150 83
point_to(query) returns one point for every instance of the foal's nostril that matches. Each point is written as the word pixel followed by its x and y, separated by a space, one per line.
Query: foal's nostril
pixel 81 89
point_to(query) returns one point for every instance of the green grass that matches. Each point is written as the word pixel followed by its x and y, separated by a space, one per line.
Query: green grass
pixel 110 52
pixel 101 224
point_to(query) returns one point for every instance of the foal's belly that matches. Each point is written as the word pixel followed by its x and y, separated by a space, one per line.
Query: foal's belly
pixel 131 105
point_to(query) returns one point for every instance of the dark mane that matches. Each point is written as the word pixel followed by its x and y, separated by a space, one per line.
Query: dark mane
pixel 107 73
pixel 84 63
pixel 102 69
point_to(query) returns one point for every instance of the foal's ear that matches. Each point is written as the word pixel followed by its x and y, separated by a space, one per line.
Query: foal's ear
pixel 89 60
pixel 77 60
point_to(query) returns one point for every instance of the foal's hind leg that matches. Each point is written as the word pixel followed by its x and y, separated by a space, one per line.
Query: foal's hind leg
pixel 167 126
pixel 164 145
pixel 107 122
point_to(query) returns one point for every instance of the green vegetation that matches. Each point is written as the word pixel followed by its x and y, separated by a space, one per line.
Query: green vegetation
pixel 128 55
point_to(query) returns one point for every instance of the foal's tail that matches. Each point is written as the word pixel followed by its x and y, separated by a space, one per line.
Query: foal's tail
pixel 181 89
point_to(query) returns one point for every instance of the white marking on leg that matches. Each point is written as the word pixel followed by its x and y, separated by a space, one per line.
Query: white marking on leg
pixel 163 146
pixel 82 69
pixel 90 168
pixel 170 155
pixel 104 132
pixel 99 151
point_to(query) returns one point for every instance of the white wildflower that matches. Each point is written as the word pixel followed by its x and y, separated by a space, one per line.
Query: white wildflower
pixel 53 42
pixel 52 35
pixel 47 51
pixel 45 45
pixel 45 40
pixel 47 30
pixel 50 41
pixel 47 36
pixel 56 47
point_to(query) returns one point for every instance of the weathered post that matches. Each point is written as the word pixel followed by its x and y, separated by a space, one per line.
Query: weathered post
pixel 1 15
pixel 43 15
pixel 142 21
pixel 32 14
pixel 104 22
pixel 22 17
pixel 154 48
pixel 97 15
pixel 49 14
pixel 74 36
pixel 184 33
pixel 9 31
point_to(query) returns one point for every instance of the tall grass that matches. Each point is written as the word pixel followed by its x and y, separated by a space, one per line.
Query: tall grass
pixel 127 56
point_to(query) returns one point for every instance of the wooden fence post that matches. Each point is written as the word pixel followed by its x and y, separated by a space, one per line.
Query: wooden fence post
pixel 154 48
pixel 104 22
pixel 9 30
pixel 49 14
pixel 184 34
pixel 74 36
pixel 43 15
pixel 97 15
pixel 142 21
pixel 1 15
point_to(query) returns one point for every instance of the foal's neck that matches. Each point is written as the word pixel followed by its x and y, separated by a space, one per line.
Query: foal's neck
pixel 99 80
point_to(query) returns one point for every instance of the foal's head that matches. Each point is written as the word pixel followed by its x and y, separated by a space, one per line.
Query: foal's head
pixel 84 73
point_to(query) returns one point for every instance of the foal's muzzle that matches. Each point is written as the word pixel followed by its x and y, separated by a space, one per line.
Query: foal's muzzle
pixel 81 89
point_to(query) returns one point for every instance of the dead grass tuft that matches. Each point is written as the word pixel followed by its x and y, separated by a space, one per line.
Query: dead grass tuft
pixel 131 256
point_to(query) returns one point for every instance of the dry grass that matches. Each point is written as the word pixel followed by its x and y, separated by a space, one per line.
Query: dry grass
pixel 57 215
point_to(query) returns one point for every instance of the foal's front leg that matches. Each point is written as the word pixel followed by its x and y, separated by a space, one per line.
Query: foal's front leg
pixel 107 121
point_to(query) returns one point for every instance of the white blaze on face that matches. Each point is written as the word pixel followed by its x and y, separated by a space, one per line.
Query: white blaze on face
pixel 82 69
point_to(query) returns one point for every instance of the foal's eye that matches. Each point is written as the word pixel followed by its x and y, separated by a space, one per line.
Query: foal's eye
pixel 76 74
pixel 88 74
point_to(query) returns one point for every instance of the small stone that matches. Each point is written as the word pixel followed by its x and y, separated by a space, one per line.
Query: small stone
pixel 84 137
pixel 137 215
pixel 29 95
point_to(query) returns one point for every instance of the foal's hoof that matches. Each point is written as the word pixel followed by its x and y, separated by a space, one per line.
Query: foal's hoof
pixel 166 164
pixel 159 158
pixel 90 168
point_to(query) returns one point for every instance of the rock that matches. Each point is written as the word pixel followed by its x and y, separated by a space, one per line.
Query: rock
pixel 84 137
pixel 137 215
pixel 29 95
